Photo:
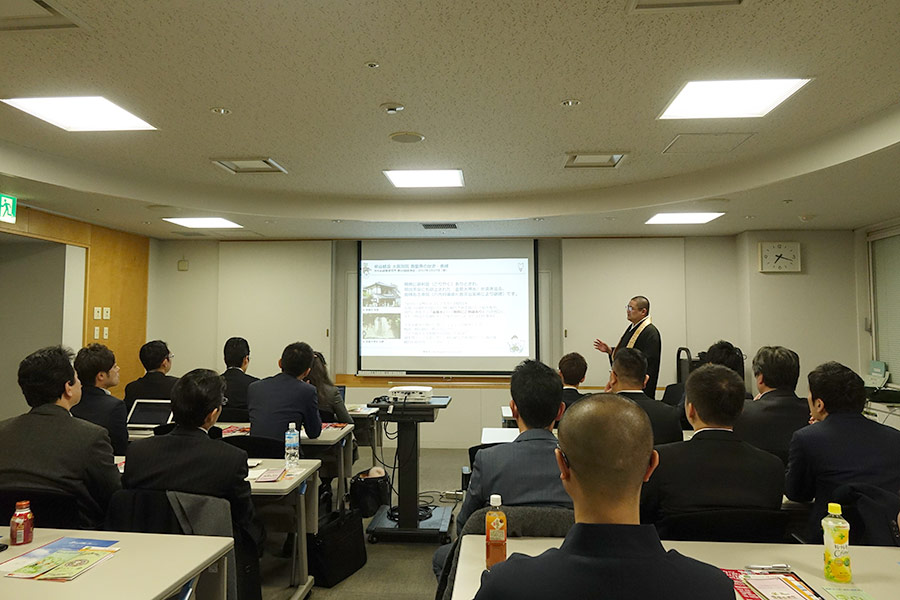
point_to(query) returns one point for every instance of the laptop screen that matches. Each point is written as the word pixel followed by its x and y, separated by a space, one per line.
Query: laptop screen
pixel 342 390
pixel 150 412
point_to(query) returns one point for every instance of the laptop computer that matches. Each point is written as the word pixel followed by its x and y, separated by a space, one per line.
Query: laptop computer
pixel 147 414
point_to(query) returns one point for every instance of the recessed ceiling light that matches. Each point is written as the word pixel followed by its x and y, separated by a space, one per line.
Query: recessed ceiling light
pixel 220 110
pixel 426 178
pixel 392 108
pixel 204 223
pixel 570 102
pixel 80 113
pixel 407 137
pixel 539 219
pixel 336 221
pixel 682 218
pixel 730 99
pixel 372 64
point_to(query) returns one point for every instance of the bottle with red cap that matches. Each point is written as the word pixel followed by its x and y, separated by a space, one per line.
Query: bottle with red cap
pixel 21 526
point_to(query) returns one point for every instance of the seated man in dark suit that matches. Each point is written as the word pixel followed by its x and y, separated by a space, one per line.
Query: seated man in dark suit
pixel 237 357
pixel 714 469
pixel 187 460
pixel 47 449
pixel 605 454
pixel 277 401
pixel 523 471
pixel 155 384
pixel 572 369
pixel 627 378
pixel 98 371
pixel 842 446
pixel 769 420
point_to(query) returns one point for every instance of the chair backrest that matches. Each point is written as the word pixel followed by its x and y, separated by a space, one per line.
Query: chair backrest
pixel 871 512
pixel 257 446
pixel 142 511
pixel 51 508
pixel 672 395
pixel 726 525
pixel 163 429
pixel 233 414
pixel 521 521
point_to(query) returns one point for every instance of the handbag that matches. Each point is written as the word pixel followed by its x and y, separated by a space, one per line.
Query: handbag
pixel 338 550
pixel 369 493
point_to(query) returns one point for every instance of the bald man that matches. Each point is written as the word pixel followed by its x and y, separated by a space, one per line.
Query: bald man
pixel 605 455
pixel 641 334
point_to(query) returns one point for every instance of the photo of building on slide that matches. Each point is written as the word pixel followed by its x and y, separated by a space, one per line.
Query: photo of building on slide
pixel 381 326
pixel 381 294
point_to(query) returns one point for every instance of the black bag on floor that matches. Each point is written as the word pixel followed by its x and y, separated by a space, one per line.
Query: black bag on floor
pixel 338 550
pixel 368 493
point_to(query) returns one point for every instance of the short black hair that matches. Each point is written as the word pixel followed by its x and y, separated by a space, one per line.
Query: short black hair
pixel 43 375
pixel 153 354
pixel 572 366
pixel 642 303
pixel 195 395
pixel 779 367
pixel 537 392
pixel 717 394
pixel 630 364
pixel 236 350
pixel 92 360
pixel 296 359
pixel 838 387
pixel 727 354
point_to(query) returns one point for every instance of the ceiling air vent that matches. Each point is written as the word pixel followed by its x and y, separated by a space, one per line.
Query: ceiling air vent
pixel 249 165
pixel 593 160
pixel 646 5
pixel 439 226
pixel 33 15
pixel 189 233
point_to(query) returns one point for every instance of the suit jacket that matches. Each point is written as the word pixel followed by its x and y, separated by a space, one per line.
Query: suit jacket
pixel 277 401
pixel 524 472
pixel 152 386
pixel 49 448
pixel 663 418
pixel 769 423
pixel 331 405
pixel 625 562
pixel 187 460
pixel 844 448
pixel 107 411
pixel 571 396
pixel 236 384
pixel 714 469
pixel 650 343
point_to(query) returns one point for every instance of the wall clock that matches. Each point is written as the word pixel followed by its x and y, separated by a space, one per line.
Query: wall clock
pixel 779 257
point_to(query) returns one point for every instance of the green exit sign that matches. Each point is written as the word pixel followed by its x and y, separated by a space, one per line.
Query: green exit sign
pixel 7 209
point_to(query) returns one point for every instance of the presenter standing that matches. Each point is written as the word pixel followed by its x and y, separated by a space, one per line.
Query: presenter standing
pixel 641 334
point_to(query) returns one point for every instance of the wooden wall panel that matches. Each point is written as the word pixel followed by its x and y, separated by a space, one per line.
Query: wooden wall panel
pixel 117 278
pixel 37 224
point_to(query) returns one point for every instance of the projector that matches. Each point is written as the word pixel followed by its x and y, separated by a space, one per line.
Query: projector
pixel 410 394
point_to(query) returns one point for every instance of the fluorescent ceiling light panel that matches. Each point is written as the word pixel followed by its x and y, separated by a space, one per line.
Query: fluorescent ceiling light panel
pixel 731 99
pixel 205 223
pixel 85 113
pixel 425 178
pixel 682 218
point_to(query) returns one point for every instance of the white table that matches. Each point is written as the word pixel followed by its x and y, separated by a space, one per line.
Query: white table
pixel 875 569
pixel 147 567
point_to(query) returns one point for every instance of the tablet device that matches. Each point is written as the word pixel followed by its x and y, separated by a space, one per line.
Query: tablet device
pixel 147 414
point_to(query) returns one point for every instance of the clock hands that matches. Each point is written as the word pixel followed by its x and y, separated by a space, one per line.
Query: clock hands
pixel 780 256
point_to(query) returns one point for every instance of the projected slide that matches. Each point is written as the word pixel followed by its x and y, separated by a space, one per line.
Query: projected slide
pixel 445 308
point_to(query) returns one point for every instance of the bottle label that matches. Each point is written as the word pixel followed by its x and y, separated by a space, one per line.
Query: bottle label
pixel 497 532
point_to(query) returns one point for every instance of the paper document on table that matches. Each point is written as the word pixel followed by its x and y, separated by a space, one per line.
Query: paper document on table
pixel 64 543
pixel 781 586
pixel 845 593
pixel 76 565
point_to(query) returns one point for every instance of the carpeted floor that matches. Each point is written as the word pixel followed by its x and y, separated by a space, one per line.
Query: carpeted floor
pixel 393 571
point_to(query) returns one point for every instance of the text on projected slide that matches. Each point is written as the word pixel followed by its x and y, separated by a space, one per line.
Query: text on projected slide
pixel 449 307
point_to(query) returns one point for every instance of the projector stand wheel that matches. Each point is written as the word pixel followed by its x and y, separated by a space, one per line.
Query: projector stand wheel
pixel 373 539
pixel 445 539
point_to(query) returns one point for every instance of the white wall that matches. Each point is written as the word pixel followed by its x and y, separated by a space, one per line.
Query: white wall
pixel 32 285
pixel 271 293
pixel 73 297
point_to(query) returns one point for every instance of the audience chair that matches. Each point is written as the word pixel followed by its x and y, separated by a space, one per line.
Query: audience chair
pixel 871 512
pixel 257 446
pixel 673 394
pixel 234 415
pixel 53 509
pixel 163 429
pixel 521 521
pixel 467 471
pixel 156 511
pixel 726 525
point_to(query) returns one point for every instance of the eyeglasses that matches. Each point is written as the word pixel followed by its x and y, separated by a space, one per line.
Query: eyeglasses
pixel 224 401
pixel 170 356
pixel 565 458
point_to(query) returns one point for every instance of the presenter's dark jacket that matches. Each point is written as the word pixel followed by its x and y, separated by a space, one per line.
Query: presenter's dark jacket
pixel 152 386
pixel 843 448
pixel 107 411
pixel 187 460
pixel 663 418
pixel 277 401
pixel 770 422
pixel 236 384
pixel 606 562
pixel 49 448
pixel 650 343
pixel 571 396
pixel 714 469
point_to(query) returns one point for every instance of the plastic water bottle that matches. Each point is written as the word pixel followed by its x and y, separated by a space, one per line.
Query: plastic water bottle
pixel 837 545
pixel 495 533
pixel 291 446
